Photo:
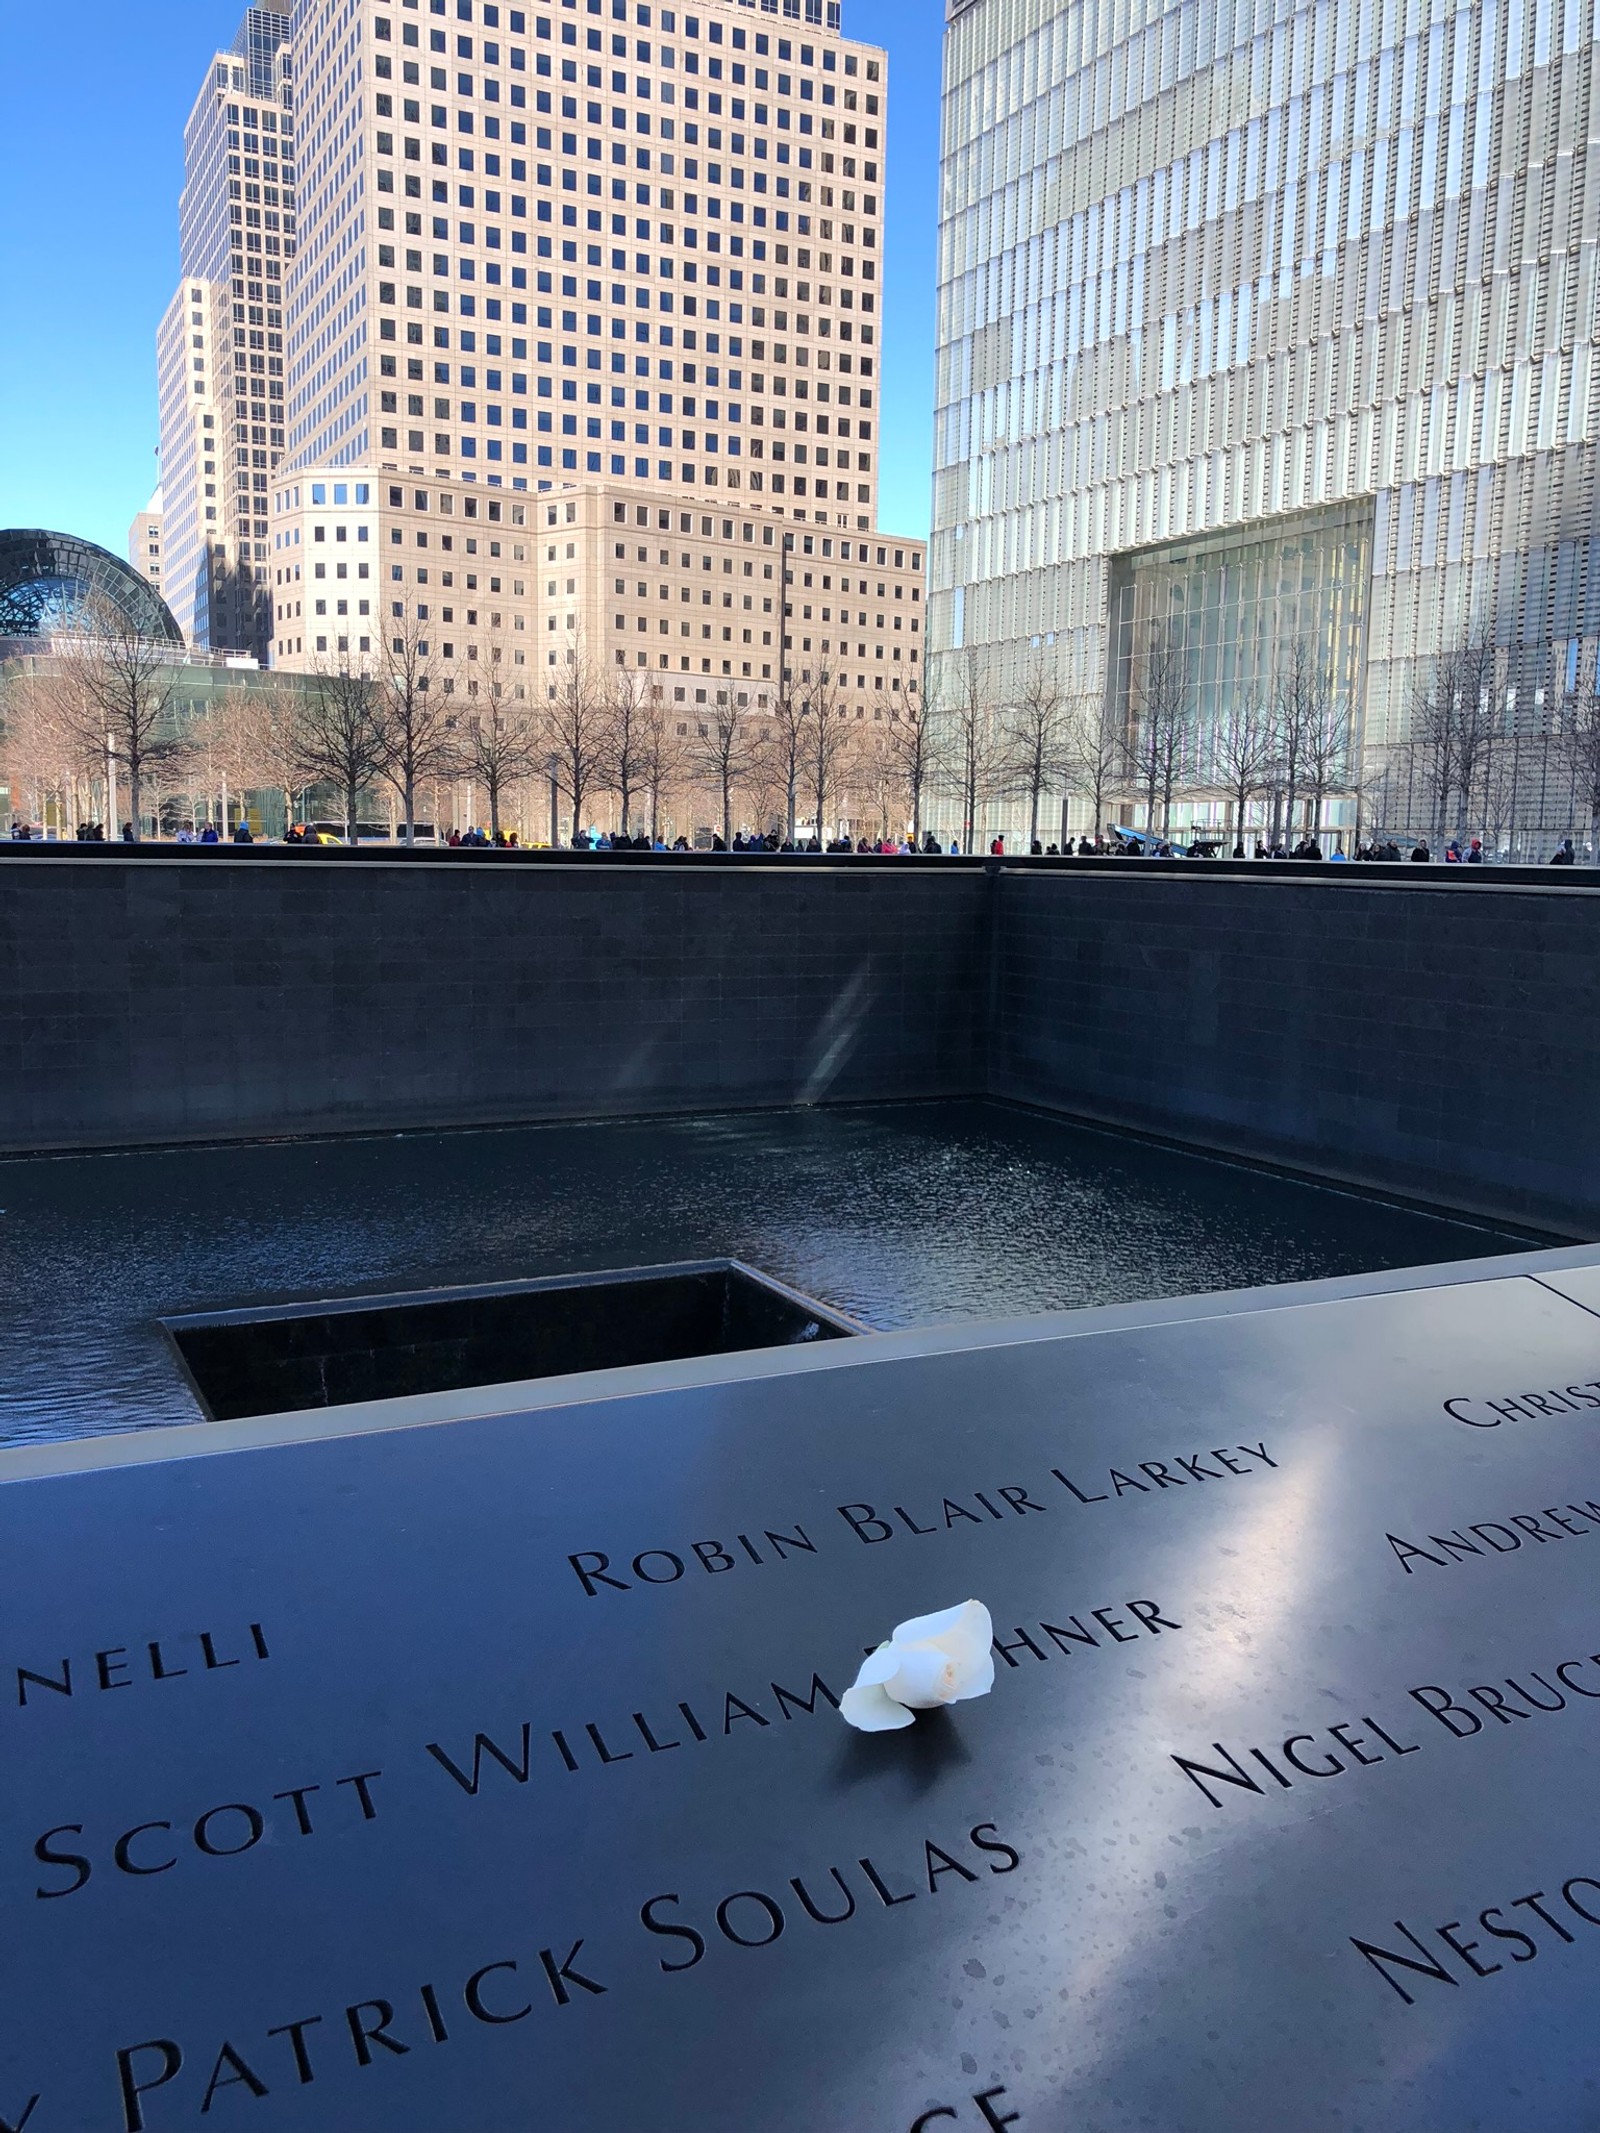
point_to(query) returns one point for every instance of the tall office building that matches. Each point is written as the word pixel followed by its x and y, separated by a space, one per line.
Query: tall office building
pixel 1262 322
pixel 220 345
pixel 585 315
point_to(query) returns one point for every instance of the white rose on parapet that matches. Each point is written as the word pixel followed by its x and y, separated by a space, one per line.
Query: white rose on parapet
pixel 928 1662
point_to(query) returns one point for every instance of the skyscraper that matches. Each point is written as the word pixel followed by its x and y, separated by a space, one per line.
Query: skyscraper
pixel 220 346
pixel 1264 326
pixel 593 284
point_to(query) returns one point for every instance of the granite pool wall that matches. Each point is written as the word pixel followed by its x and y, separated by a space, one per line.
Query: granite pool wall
pixel 1437 1037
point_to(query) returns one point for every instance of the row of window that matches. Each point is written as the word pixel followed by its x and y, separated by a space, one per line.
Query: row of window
pixel 688 406
pixel 643 469
pixel 685 593
pixel 805 544
pixel 805 676
pixel 666 20
pixel 666 198
pixel 289 574
pixel 826 646
pixel 644 233
pixel 494 381
pixel 667 162
pixel 297 646
pixel 758 78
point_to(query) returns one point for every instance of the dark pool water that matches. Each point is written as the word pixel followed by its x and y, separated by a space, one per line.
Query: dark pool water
pixel 899 1214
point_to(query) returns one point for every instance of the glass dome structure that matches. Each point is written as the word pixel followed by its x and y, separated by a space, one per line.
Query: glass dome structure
pixel 52 583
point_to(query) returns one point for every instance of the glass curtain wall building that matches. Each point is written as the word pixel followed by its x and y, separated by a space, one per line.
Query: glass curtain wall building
pixel 1264 323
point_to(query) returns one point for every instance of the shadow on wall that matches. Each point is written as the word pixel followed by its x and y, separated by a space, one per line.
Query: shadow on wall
pixel 1428 1037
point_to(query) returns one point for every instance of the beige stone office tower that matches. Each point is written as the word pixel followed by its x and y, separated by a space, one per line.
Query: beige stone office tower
pixel 144 543
pixel 584 321
pixel 1259 321
pixel 221 343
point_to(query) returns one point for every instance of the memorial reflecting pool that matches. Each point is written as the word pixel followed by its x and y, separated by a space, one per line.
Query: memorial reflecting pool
pixel 898 1214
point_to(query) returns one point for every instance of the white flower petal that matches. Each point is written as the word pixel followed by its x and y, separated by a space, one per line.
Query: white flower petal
pixel 979 1682
pixel 878 1666
pixel 930 1661
pixel 921 1627
pixel 870 1709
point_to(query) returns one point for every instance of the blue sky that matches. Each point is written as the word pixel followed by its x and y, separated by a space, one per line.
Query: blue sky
pixel 93 98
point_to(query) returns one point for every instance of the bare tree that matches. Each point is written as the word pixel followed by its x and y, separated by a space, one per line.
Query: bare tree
pixel 1244 755
pixel 44 749
pixel 221 753
pixel 786 742
pixel 1328 754
pixel 1038 735
pixel 1097 752
pixel 971 741
pixel 342 736
pixel 499 743
pixel 905 746
pixel 274 719
pixel 1454 719
pixel 1392 792
pixel 765 781
pixel 723 747
pixel 661 751
pixel 419 718
pixel 575 734
pixel 627 738
pixel 1497 796
pixel 1162 733
pixel 874 786
pixel 118 693
pixel 1301 692
pixel 827 735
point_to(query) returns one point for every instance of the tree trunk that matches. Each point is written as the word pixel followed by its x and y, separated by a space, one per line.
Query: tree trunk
pixel 727 810
pixel 135 787
pixel 411 810
pixel 351 824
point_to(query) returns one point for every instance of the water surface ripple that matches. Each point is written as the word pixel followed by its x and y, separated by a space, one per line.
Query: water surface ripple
pixel 899 1214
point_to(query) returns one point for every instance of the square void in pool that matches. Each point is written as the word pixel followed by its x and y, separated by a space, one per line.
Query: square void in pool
pixel 285 1358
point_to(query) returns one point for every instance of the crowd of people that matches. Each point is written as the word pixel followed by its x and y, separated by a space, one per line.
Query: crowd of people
pixel 1117 845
